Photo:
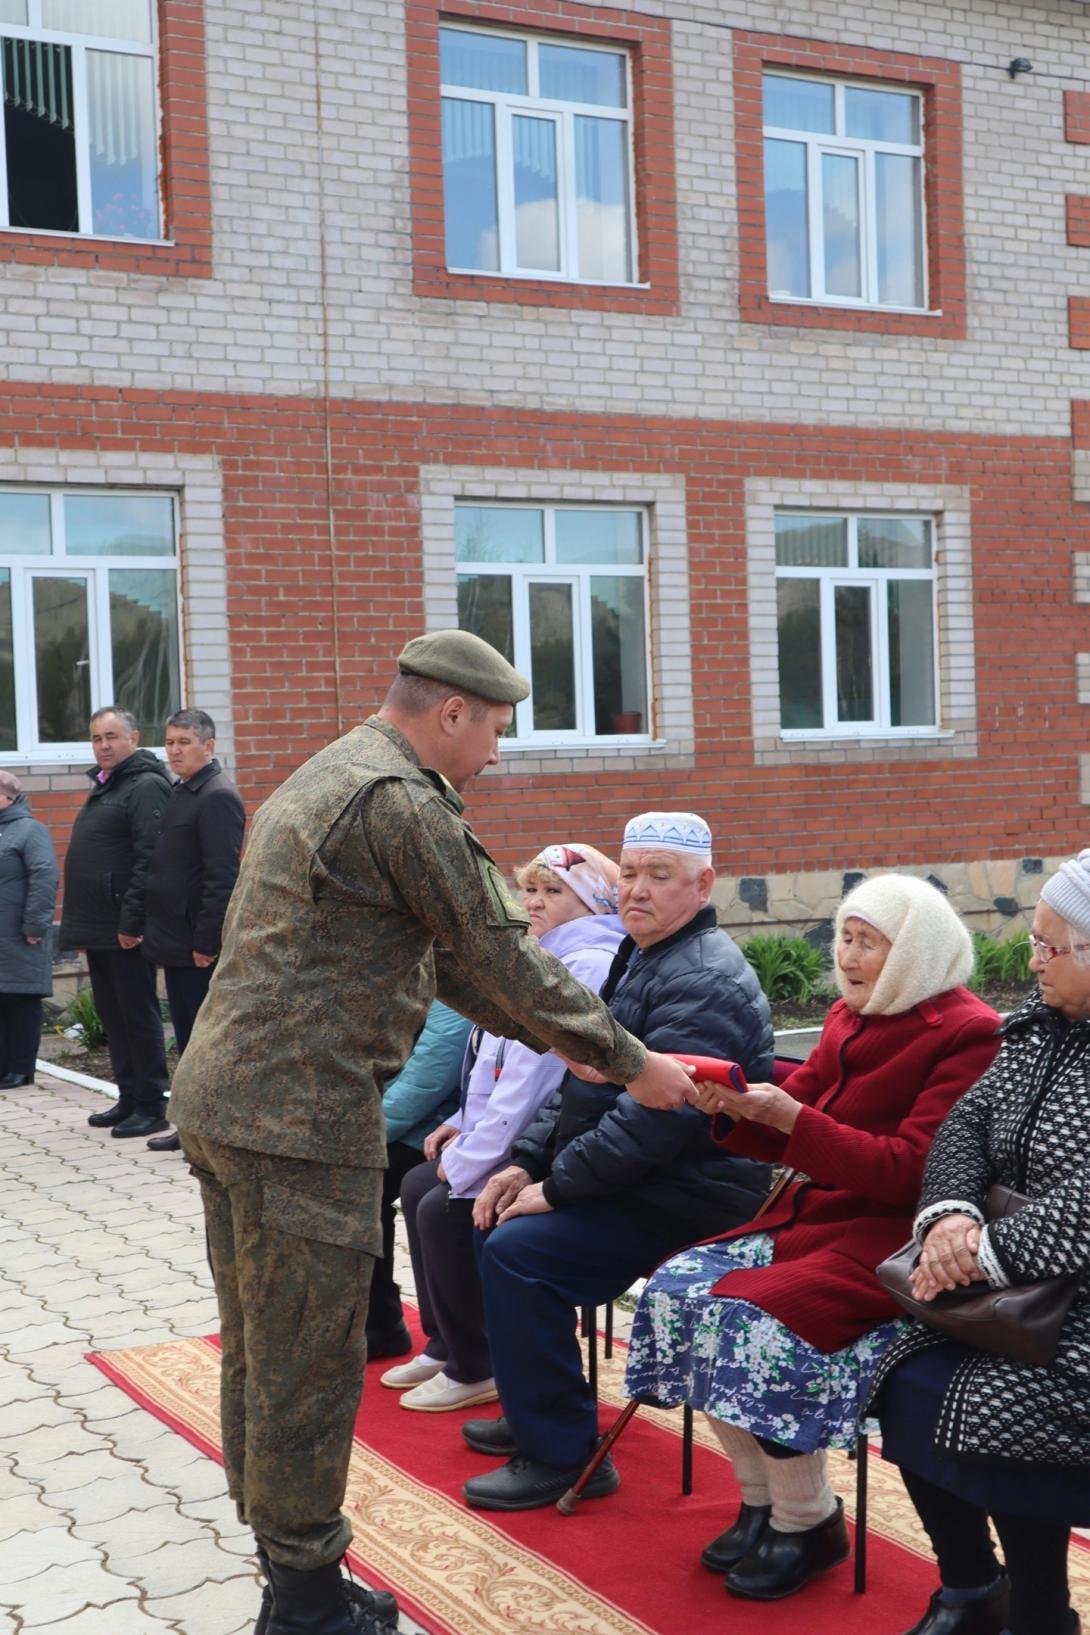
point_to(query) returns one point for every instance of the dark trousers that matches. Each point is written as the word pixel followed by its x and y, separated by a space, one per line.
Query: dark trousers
pixel 1035 1553
pixel 123 983
pixel 448 1285
pixel 186 987
pixel 20 1033
pixel 385 1311
pixel 290 1244
pixel 535 1271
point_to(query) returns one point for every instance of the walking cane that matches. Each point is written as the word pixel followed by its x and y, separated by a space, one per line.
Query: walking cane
pixel 567 1502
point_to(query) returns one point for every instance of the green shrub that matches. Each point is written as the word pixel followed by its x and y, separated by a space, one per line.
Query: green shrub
pixel 1016 953
pixel 788 968
pixel 999 962
pixel 82 1013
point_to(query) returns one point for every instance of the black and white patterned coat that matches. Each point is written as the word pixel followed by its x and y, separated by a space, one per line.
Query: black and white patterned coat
pixel 1026 1125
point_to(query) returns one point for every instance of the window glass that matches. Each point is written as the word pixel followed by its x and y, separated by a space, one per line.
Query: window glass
pixel 911 653
pixel 787 223
pixel 486 62
pixel 854 659
pixel 123 142
pixel 8 739
pixel 24 525
pixel 144 639
pixel 619 644
pixel 898 204
pixel 601 199
pixel 811 542
pixel 840 224
pixel 62 658
pixel 109 19
pixel 894 542
pixel 119 525
pixel 537 211
pixel 469 184
pixel 552 657
pixel 599 537
pixel 568 74
pixel 13 11
pixel 799 628
pixel 39 132
pixel 798 104
pixel 484 608
pixel 882 116
pixel 498 533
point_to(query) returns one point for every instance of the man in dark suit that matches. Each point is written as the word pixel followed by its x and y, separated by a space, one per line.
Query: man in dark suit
pixel 192 874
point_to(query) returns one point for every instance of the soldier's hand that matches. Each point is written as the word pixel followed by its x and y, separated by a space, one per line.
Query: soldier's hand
pixel 437 1140
pixel 663 1083
pixel 581 1070
pixel 497 1193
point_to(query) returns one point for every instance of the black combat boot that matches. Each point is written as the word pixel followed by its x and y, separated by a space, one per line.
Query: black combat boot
pixel 322 1602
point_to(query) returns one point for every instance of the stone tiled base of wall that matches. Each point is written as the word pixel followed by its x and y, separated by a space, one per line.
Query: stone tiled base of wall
pixel 996 895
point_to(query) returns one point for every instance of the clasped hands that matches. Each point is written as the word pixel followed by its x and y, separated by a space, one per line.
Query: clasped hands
pixel 948 1259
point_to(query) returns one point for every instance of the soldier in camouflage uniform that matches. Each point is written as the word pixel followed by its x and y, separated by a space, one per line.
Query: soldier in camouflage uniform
pixel 362 894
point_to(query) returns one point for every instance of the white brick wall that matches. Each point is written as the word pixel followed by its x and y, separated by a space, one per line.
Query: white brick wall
pixel 281 187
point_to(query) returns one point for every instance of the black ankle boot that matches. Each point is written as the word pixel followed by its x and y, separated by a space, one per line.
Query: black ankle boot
pixel 781 1563
pixel 323 1602
pixel 987 1615
pixel 721 1554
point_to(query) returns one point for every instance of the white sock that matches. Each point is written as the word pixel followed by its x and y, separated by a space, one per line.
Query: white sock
pixel 749 1462
pixel 801 1495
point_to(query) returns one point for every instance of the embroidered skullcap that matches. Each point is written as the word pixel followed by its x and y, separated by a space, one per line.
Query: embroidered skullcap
pixel 590 874
pixel 671 832
pixel 464 660
pixel 10 785
pixel 932 951
pixel 1068 892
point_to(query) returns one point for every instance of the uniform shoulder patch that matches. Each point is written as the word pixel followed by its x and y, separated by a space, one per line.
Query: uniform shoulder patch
pixel 507 910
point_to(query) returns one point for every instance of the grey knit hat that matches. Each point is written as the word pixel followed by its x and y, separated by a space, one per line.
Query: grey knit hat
pixel 1068 892
pixel 10 785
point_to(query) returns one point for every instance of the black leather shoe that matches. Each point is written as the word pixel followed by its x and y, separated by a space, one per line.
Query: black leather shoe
pixel 387 1342
pixel 781 1563
pixel 165 1143
pixel 489 1436
pixel 139 1124
pixel 12 1081
pixel 109 1115
pixel 985 1616
pixel 527 1484
pixel 721 1554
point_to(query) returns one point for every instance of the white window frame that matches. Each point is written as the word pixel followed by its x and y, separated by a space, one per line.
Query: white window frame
pixel 508 104
pixel 864 150
pixel 876 581
pixel 80 44
pixel 578 575
pixel 24 569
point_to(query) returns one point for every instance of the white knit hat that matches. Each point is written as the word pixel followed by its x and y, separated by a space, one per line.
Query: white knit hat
pixel 932 951
pixel 1068 892
pixel 670 832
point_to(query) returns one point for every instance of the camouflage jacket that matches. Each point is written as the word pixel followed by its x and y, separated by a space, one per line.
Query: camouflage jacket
pixel 364 892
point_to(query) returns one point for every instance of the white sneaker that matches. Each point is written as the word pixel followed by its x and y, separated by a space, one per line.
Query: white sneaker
pixel 411 1373
pixel 439 1394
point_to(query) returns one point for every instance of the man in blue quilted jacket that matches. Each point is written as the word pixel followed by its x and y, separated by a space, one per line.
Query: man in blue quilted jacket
pixel 602 1189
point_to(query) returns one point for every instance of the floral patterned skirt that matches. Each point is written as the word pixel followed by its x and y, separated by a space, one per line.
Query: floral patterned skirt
pixel 737 1362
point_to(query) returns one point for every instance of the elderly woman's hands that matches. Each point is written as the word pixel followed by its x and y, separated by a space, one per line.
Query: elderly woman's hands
pixel 497 1194
pixel 948 1259
pixel 761 1103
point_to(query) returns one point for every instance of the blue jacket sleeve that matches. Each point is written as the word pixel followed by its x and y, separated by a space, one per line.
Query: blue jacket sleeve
pixel 429 1076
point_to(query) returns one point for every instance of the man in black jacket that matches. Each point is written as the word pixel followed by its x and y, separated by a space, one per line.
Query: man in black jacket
pixel 105 877
pixel 192 875
pixel 601 1189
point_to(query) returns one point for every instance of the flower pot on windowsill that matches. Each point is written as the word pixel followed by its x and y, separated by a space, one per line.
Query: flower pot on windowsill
pixel 627 721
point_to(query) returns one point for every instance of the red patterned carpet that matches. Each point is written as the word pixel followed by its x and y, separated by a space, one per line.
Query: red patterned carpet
pixel 619 1566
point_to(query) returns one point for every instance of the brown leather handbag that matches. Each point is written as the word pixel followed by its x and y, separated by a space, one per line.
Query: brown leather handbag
pixel 1022 1322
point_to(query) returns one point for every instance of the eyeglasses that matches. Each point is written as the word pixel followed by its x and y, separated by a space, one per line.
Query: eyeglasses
pixel 1045 951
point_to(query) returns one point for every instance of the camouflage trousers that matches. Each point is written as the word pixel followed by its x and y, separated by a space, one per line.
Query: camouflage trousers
pixel 291 1245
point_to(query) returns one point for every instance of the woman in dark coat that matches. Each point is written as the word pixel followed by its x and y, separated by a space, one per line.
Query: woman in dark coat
pixel 775 1329
pixel 978 1435
pixel 28 895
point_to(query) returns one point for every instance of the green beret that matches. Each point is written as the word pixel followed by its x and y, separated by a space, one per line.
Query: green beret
pixel 464 660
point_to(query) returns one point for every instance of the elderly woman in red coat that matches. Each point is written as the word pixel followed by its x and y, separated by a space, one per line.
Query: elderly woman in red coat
pixel 775 1329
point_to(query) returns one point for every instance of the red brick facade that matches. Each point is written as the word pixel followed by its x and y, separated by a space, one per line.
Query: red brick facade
pixel 1077 116
pixel 940 82
pixel 184 160
pixel 1078 219
pixel 316 625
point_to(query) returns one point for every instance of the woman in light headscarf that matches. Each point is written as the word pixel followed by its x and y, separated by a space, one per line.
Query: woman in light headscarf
pixel 570 894
pixel 775 1329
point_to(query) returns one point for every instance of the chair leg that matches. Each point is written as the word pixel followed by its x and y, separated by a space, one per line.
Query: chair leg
pixel 861 1461
pixel 686 1450
pixel 589 1323
pixel 608 1349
